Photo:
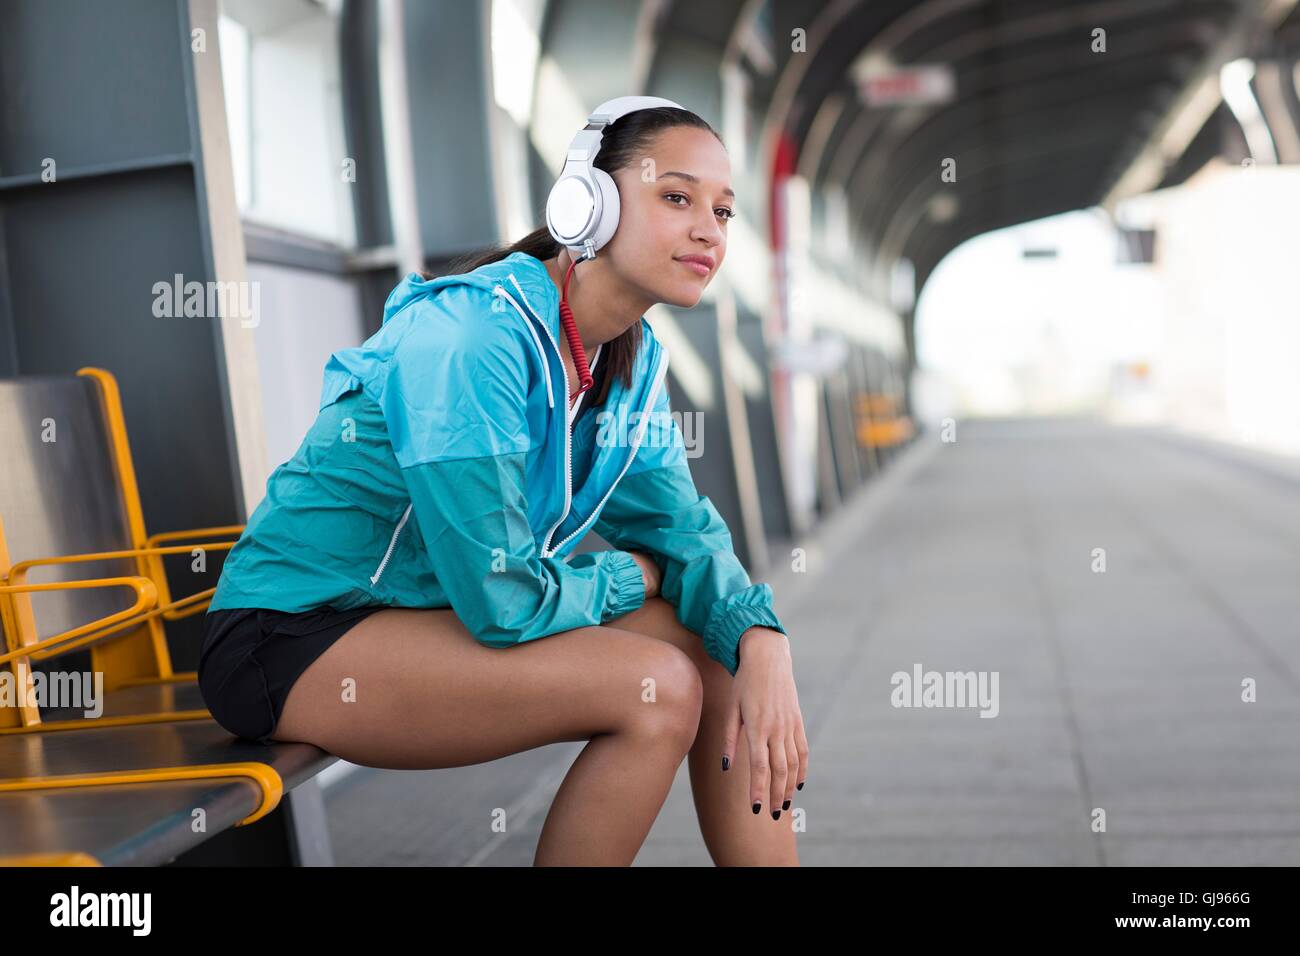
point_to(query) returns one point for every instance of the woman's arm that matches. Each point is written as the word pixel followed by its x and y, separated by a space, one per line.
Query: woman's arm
pixel 472 516
pixel 656 508
pixel 454 397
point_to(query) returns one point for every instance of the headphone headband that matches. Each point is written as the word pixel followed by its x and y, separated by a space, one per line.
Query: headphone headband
pixel 612 110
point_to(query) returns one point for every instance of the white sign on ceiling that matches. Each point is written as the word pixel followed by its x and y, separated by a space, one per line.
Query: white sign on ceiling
pixel 907 85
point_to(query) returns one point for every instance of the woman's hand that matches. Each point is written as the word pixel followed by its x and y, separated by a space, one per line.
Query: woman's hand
pixel 764 701
pixel 649 572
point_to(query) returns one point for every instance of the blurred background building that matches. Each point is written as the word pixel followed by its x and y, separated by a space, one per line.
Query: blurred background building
pixel 945 208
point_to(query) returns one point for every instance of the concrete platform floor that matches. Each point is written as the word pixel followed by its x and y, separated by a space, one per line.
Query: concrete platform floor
pixel 1119 690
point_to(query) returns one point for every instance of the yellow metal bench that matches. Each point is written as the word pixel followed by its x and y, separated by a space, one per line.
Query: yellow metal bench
pixel 130 785
pixel 880 422
pixel 137 653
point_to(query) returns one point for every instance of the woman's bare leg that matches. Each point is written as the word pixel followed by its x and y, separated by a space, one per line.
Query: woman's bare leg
pixel 427 695
pixel 733 833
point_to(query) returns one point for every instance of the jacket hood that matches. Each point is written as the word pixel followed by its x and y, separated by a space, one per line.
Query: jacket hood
pixel 524 277
pixel 539 292
pixel 519 276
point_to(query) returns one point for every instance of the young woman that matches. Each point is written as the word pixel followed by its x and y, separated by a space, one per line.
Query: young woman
pixel 402 598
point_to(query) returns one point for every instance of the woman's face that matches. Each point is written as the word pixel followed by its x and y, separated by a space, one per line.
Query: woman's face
pixel 672 226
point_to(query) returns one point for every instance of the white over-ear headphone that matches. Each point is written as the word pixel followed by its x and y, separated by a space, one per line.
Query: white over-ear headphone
pixel 582 209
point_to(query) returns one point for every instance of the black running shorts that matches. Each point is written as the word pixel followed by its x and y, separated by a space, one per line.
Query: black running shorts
pixel 251 657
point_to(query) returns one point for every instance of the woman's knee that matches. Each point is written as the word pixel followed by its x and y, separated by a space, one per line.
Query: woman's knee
pixel 670 692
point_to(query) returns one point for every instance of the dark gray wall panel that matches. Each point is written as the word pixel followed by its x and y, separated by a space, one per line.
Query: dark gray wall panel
pixel 363 121
pixel 762 438
pixel 446 77
pixel 84 257
pixel 90 83
pixel 714 471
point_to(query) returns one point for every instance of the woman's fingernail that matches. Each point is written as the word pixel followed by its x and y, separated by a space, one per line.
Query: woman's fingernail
pixel 800 787
pixel 786 805
pixel 756 806
pixel 726 762
pixel 776 814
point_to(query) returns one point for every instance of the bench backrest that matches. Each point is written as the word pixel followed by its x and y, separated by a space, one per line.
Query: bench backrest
pixel 60 493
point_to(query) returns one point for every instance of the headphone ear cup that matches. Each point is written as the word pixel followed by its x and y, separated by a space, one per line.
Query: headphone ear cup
pixel 610 207
pixel 569 209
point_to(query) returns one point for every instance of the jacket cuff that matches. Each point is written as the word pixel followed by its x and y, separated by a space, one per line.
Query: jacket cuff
pixel 731 616
pixel 626 590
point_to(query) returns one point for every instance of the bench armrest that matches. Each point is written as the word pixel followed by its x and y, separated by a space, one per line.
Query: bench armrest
pixel 146 596
pixel 171 610
pixel 18 573
pixel 222 531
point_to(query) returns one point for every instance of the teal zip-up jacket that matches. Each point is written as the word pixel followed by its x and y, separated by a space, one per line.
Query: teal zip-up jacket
pixel 438 474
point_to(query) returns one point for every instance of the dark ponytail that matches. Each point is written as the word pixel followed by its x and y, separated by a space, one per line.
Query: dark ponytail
pixel 621 143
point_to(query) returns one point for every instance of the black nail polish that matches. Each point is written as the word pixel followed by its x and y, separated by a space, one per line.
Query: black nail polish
pixel 786 805
pixel 726 762
pixel 776 814
pixel 756 806
pixel 799 787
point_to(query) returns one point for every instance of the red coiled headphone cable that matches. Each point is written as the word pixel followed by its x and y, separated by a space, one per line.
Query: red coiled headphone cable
pixel 571 333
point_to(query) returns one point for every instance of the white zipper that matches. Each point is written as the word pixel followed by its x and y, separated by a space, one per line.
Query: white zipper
pixel 374 578
pixel 568 424
pixel 568 465
pixel 636 445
